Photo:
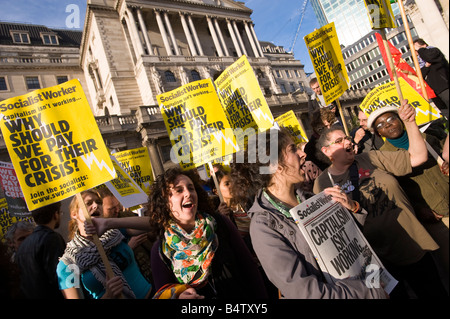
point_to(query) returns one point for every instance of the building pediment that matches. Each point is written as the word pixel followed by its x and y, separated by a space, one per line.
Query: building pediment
pixel 191 4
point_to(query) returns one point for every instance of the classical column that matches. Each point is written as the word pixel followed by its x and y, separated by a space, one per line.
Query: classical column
pixel 188 34
pixel 233 38
pixel 144 32
pixel 194 33
pixel 129 17
pixel 219 32
pixel 258 45
pixel 172 35
pixel 250 38
pixel 155 158
pixel 163 33
pixel 238 35
pixel 214 36
pixel 273 82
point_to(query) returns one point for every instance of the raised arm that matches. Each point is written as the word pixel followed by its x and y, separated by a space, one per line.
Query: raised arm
pixel 103 224
pixel 417 148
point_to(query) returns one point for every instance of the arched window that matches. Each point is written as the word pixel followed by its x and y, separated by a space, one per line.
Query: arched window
pixel 170 77
pixel 195 75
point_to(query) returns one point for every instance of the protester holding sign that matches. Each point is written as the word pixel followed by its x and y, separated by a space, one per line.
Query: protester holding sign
pixel 81 272
pixel 427 187
pixel 391 228
pixel 199 254
pixel 279 244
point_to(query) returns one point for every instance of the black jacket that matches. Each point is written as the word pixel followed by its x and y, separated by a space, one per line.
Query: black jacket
pixel 436 75
pixel 37 258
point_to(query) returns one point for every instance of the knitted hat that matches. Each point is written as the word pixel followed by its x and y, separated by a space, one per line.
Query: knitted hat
pixel 375 114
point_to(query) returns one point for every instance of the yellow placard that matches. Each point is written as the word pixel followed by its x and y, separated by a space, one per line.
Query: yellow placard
pixel 6 219
pixel 136 163
pixel 380 14
pixel 326 55
pixel 123 183
pixel 290 121
pixel 54 143
pixel 386 95
pixel 125 188
pixel 198 128
pixel 243 101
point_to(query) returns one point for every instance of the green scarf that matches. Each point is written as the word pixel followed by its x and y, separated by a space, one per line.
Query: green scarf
pixel 401 142
pixel 191 253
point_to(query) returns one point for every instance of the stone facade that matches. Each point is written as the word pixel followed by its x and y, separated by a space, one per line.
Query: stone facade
pixel 131 51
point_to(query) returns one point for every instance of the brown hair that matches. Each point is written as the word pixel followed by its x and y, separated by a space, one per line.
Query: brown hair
pixel 159 208
pixel 73 207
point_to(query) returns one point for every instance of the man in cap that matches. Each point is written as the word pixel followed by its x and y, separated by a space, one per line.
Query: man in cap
pixel 426 186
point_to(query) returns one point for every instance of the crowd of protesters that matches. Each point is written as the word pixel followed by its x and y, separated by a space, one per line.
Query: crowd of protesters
pixel 190 245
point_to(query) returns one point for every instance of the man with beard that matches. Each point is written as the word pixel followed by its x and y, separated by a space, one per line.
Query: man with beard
pixel 38 255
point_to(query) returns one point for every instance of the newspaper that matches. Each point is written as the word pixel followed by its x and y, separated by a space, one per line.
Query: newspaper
pixel 338 245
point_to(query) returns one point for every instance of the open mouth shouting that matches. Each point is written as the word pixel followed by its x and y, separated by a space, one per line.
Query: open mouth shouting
pixel 189 204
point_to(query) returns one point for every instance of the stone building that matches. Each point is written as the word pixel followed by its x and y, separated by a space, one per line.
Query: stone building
pixel 132 50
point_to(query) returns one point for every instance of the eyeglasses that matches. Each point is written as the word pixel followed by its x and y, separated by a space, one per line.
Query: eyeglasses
pixel 341 140
pixel 389 121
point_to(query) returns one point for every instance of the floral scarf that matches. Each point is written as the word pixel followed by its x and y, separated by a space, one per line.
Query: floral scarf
pixel 191 253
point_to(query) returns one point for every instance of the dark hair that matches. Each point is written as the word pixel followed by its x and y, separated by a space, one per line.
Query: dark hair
pixel 313 81
pixel 158 206
pixel 104 192
pixel 73 207
pixel 247 178
pixel 420 41
pixel 324 137
pixel 44 215
pixel 221 173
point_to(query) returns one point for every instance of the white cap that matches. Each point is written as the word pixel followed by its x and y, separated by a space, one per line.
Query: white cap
pixel 375 114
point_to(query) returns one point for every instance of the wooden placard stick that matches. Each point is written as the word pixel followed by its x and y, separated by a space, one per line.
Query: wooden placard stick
pixel 216 183
pixel 413 53
pixel 341 113
pixel 391 65
pixel 95 239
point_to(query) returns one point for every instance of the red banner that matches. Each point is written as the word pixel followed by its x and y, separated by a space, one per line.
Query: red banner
pixel 403 69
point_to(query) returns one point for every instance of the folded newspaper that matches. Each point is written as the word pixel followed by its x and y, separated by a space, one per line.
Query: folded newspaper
pixel 339 247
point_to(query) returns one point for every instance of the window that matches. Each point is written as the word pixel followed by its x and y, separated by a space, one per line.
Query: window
pixel 170 77
pixel 287 73
pixel 20 37
pixel 3 85
pixel 62 79
pixel 283 88
pixel 195 75
pixel 32 82
pixel 49 38
pixel 278 73
pixel 292 86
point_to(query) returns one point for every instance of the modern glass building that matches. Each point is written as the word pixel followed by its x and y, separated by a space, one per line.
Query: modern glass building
pixel 349 16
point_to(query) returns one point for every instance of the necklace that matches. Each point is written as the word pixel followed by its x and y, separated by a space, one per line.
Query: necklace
pixel 281 207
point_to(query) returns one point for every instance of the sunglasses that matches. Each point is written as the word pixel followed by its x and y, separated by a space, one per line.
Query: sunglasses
pixel 341 140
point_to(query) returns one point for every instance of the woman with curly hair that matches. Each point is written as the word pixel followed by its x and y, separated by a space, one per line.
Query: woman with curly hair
pixel 278 242
pixel 199 253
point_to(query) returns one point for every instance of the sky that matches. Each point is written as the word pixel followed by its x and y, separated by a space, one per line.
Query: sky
pixel 275 21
